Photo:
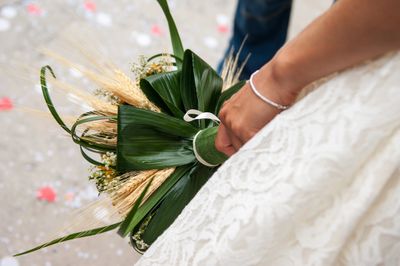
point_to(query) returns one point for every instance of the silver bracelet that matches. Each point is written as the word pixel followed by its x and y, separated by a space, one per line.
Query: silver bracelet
pixel 265 99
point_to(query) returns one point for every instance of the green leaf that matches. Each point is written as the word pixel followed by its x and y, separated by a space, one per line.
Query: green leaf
pixel 163 90
pixel 146 149
pixel 87 233
pixel 129 116
pixel 175 200
pixel 227 94
pixel 129 223
pixel 153 201
pixel 47 98
pixel 208 84
pixel 149 140
pixel 209 89
pixel 187 85
pixel 173 31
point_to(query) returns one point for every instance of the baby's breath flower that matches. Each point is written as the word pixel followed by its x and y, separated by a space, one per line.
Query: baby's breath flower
pixel 103 175
pixel 107 96
pixel 137 237
pixel 143 68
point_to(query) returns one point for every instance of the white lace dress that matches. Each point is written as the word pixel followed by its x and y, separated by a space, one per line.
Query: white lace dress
pixel 319 185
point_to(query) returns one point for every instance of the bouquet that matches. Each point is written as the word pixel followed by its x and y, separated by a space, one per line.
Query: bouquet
pixel 155 137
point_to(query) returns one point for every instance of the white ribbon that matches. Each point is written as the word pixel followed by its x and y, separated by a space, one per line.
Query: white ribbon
pixel 199 116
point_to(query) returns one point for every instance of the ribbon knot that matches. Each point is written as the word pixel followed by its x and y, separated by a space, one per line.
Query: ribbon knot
pixel 199 115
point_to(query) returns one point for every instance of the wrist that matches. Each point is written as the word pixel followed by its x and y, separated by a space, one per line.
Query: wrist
pixel 275 82
pixel 289 70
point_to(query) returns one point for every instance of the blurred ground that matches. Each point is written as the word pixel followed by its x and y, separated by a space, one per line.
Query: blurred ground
pixel 37 159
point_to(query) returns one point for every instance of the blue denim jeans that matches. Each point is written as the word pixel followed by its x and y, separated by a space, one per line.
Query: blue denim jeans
pixel 264 25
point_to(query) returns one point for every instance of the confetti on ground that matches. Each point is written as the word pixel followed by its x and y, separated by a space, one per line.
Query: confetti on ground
pixel 34 9
pixel 143 39
pixel 46 193
pixel 8 12
pixel 75 73
pixel 9 261
pixel 5 104
pixel 4 24
pixel 89 193
pixel 104 19
pixel 223 28
pixel 69 196
pixel 222 19
pixel 102 214
pixel 223 22
pixel 72 201
pixel 90 6
pixel 75 99
pixel 83 255
pixel 210 42
pixel 156 30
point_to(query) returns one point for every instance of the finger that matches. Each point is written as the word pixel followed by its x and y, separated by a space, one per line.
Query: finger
pixel 236 142
pixel 245 135
pixel 223 142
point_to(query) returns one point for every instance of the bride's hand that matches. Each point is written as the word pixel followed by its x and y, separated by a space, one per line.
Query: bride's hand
pixel 245 114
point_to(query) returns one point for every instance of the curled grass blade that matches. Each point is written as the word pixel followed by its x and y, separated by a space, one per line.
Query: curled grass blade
pixel 89 159
pixel 177 59
pixel 81 234
pixel 88 144
pixel 47 98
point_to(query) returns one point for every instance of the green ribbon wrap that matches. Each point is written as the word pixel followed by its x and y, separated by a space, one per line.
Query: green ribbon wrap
pixel 204 148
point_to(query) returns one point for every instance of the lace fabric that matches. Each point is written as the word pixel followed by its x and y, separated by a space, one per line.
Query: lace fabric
pixel 319 185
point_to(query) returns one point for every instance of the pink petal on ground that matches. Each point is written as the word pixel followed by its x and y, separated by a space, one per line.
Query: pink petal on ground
pixel 46 193
pixel 69 196
pixel 223 28
pixel 90 6
pixel 156 30
pixel 6 104
pixel 34 9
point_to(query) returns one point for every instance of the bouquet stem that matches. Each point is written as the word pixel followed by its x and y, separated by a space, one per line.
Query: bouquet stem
pixel 205 147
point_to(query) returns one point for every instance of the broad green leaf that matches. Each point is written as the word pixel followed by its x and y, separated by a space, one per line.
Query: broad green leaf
pixel 163 90
pixel 144 149
pixel 207 82
pixel 208 92
pixel 129 116
pixel 187 85
pixel 175 200
pixel 87 233
pixel 149 140
pixel 227 94
pixel 173 31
